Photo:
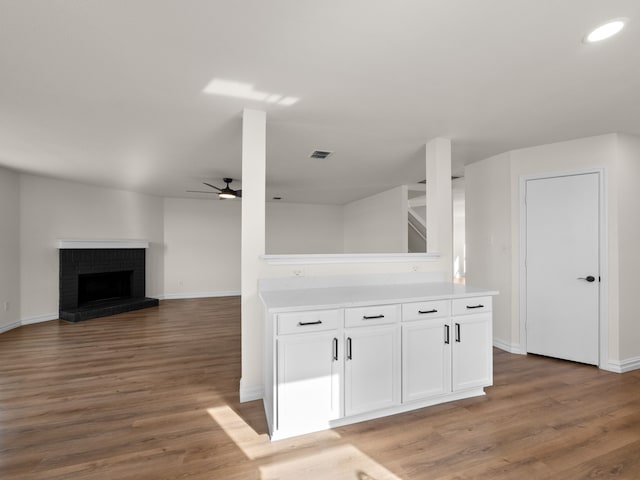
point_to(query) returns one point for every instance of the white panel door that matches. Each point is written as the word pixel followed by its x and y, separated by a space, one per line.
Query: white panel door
pixel 562 267
pixel 309 381
pixel 372 368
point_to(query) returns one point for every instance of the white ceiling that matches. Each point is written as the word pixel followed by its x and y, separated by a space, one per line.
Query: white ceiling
pixel 109 92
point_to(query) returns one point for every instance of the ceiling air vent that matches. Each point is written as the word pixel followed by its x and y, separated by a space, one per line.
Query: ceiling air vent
pixel 320 154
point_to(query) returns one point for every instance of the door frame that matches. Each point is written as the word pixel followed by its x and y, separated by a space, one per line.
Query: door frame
pixel 603 318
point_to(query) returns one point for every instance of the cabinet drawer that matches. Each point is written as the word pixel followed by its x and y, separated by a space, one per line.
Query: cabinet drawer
pixel 366 316
pixel 463 306
pixel 302 322
pixel 425 310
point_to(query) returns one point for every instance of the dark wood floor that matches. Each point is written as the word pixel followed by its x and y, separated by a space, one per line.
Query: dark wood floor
pixel 153 394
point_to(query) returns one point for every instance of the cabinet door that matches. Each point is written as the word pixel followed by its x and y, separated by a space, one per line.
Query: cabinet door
pixel 472 354
pixel 372 368
pixel 426 359
pixel 309 381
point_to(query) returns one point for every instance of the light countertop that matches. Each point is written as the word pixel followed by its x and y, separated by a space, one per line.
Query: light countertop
pixel 291 300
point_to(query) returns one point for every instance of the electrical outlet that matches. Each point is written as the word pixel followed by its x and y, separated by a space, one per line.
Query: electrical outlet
pixel 298 272
pixel 415 268
pixel 5 305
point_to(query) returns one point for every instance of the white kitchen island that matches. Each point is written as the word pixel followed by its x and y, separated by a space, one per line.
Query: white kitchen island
pixel 344 351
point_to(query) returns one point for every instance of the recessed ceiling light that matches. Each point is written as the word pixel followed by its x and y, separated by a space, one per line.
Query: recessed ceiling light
pixel 605 31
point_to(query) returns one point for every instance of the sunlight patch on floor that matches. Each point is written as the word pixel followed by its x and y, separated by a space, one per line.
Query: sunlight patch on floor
pixel 255 445
pixel 251 443
pixel 338 462
pixel 344 462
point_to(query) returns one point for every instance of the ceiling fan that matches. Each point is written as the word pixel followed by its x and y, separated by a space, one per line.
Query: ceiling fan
pixel 223 193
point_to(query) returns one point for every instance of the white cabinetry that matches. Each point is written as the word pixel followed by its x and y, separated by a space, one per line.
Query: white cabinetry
pixel 426 360
pixel 446 354
pixel 472 355
pixel 332 367
pixel 426 352
pixel 309 371
pixel 372 359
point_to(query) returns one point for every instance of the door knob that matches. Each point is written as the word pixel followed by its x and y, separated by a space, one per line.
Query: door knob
pixel 589 279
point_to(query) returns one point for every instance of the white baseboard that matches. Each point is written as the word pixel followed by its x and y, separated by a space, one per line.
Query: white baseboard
pixel 29 321
pixel 507 347
pixel 219 293
pixel 251 392
pixel 616 366
pixel 10 326
pixel 622 366
pixel 40 318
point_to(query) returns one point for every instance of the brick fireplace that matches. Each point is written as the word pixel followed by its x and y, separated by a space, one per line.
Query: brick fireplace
pixel 97 281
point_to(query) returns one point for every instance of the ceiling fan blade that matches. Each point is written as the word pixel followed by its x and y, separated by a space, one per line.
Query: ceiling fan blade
pixel 239 193
pixel 201 191
pixel 212 186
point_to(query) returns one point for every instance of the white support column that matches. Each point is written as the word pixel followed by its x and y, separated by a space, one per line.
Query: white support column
pixel 439 207
pixel 252 247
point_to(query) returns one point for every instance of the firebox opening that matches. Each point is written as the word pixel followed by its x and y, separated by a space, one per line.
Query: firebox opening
pixel 95 288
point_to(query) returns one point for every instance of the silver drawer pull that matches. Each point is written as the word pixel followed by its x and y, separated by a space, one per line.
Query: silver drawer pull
pixel 428 311
pixel 372 317
pixel 304 324
pixel 475 306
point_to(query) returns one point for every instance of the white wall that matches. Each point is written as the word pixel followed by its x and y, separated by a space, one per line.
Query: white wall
pixel 195 244
pixel 628 192
pixel 202 247
pixel 54 209
pixel 490 191
pixel 296 228
pixel 9 248
pixel 377 224
pixel 488 206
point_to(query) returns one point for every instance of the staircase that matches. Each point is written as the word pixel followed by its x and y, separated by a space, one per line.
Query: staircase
pixel 417 226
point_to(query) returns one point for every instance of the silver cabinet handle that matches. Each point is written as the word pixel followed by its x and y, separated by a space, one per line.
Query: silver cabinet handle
pixel 458 332
pixel 349 357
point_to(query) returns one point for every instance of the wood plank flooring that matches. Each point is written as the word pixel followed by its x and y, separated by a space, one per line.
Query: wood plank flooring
pixel 153 394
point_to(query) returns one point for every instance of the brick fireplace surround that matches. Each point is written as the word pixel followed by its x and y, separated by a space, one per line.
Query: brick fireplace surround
pixel 97 282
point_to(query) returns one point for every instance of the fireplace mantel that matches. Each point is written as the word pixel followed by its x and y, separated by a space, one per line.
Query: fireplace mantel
pixel 89 244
